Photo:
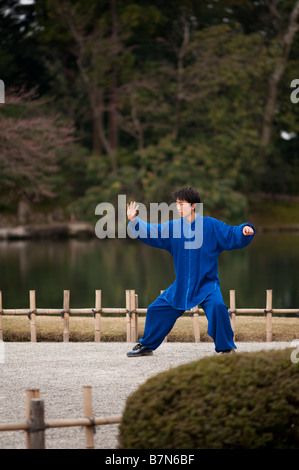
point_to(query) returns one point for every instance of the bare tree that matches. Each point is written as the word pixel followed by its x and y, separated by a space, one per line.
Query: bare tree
pixel 28 149
pixel 95 53
pixel 113 99
pixel 178 43
pixel 285 39
pixel 180 53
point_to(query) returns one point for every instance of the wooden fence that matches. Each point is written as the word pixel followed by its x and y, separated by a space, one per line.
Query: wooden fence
pixel 131 311
pixel 35 424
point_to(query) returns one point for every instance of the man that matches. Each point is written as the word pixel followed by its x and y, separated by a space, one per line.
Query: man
pixel 196 268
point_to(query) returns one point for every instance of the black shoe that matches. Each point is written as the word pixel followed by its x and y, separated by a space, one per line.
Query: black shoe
pixel 228 351
pixel 140 350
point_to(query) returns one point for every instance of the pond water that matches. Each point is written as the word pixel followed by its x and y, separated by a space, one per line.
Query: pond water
pixel 271 261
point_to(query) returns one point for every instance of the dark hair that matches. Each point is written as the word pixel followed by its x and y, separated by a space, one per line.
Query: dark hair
pixel 186 194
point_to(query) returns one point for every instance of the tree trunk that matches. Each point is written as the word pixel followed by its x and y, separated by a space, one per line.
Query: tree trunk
pixel 180 78
pixel 94 91
pixel 113 125
pixel 97 146
pixel 24 212
pixel 99 130
pixel 136 122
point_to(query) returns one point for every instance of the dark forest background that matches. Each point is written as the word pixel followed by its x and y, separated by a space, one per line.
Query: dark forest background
pixel 142 97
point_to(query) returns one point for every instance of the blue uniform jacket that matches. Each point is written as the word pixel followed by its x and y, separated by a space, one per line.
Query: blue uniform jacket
pixel 196 263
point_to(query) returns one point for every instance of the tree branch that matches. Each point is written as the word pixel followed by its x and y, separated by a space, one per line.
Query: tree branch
pixel 280 66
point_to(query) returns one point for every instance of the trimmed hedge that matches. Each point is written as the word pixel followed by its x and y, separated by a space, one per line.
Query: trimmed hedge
pixel 245 400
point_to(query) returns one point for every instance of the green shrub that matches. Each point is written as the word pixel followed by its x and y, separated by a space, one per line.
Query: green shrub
pixel 246 400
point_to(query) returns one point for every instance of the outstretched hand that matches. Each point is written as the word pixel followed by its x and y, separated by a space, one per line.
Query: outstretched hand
pixel 132 210
pixel 248 231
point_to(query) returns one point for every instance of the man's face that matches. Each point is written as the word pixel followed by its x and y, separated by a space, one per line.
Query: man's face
pixel 184 208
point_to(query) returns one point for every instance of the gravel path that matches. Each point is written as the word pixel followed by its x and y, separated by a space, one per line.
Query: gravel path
pixel 60 370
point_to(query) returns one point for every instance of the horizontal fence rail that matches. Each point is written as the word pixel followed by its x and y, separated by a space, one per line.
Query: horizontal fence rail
pixel 35 424
pixel 131 311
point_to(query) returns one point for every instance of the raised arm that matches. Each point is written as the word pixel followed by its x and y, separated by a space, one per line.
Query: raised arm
pixel 230 237
pixel 156 235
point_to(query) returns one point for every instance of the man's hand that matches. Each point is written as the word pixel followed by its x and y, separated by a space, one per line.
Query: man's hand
pixel 247 231
pixel 132 210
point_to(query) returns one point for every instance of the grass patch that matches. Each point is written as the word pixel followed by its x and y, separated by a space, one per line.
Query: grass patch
pixel 50 328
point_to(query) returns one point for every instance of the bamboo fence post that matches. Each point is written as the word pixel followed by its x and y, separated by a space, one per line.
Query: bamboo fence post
pixel 30 393
pixel 134 332
pixel 136 318
pixel 66 316
pixel 232 306
pixel 195 319
pixel 32 316
pixel 89 430
pixel 37 424
pixel 97 316
pixel 1 326
pixel 268 312
pixel 128 316
pixel 131 318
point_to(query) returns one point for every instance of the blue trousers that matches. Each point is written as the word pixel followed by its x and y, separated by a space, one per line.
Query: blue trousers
pixel 161 317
